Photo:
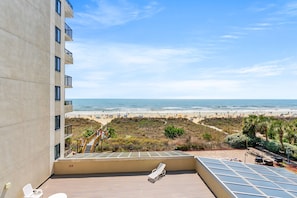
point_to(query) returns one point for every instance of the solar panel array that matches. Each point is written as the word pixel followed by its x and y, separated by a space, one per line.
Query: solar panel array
pixel 251 180
pixel 106 155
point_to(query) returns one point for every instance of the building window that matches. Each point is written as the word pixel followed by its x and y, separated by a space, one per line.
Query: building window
pixel 57 64
pixel 58 6
pixel 57 93
pixel 57 151
pixel 58 35
pixel 57 122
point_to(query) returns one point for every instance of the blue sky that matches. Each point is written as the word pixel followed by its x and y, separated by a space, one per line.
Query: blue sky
pixel 190 49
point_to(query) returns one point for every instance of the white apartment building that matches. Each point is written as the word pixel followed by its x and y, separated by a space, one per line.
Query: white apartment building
pixel 32 91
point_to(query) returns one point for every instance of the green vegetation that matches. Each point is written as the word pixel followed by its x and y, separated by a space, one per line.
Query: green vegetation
pixel 207 136
pixel 143 134
pixel 146 134
pixel 276 134
pixel 111 133
pixel 238 140
pixel 88 132
pixel 79 126
pixel 134 144
pixel 173 132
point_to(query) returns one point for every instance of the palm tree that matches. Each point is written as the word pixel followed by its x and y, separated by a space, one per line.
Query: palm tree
pixel 262 125
pixel 279 126
pixel 291 132
pixel 249 126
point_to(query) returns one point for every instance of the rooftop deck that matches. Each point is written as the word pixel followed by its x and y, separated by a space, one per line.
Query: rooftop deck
pixel 175 184
pixel 125 174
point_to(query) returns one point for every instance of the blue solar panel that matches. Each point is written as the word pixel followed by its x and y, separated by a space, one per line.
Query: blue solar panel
pixel 279 179
pixel 249 175
pixel 275 193
pixel 241 195
pixel 233 179
pixel 242 188
pixel 241 169
pixel 213 165
pixel 262 183
pixel 248 180
pixel 222 171
pixel 293 193
pixel 287 186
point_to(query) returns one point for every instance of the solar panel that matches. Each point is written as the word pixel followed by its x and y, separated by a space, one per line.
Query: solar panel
pixel 130 154
pixel 249 180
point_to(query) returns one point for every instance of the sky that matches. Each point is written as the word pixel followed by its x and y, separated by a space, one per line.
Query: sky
pixel 183 49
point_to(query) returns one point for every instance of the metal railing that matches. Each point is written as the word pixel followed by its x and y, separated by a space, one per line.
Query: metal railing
pixel 68 130
pixel 68 30
pixel 68 102
pixel 67 81
pixel 69 4
pixel 68 52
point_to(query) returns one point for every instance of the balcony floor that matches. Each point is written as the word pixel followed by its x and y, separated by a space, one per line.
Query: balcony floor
pixel 174 184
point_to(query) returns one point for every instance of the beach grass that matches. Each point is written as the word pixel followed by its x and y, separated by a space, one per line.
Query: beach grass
pixel 147 134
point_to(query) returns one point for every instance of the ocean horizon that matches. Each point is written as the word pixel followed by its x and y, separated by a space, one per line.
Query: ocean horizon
pixel 183 105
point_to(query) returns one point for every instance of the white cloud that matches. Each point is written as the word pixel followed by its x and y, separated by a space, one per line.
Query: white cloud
pixel 263 24
pixel 290 9
pixel 274 68
pixel 169 89
pixel 112 13
pixel 130 57
pixel 269 68
pixel 85 84
pixel 261 70
pixel 230 36
pixel 255 28
pixel 200 85
pixel 104 69
pixel 263 8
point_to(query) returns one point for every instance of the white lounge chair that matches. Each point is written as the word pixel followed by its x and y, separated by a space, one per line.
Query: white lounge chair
pixel 157 173
pixel 29 192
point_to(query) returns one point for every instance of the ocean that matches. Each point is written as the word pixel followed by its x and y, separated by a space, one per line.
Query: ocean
pixel 182 105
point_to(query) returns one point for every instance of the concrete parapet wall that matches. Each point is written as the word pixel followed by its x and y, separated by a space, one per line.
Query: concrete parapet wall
pixel 126 165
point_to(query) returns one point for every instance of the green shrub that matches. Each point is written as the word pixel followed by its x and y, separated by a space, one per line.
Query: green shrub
pixel 272 146
pixel 173 132
pixel 111 133
pixel 88 133
pixel 190 147
pixel 237 140
pixel 207 136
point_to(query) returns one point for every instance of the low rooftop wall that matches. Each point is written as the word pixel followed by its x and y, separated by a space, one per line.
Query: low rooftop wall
pixel 122 165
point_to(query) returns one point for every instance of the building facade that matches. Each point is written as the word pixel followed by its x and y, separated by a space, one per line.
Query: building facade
pixel 32 96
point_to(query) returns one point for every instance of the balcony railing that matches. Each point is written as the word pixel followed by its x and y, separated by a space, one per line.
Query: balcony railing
pixel 68 131
pixel 68 32
pixel 68 52
pixel 68 57
pixel 68 9
pixel 69 4
pixel 68 81
pixel 68 106
pixel 68 102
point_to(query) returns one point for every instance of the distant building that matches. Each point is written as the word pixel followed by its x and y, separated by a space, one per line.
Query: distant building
pixel 32 90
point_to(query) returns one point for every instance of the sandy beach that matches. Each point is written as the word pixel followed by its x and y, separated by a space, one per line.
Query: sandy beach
pixel 106 117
